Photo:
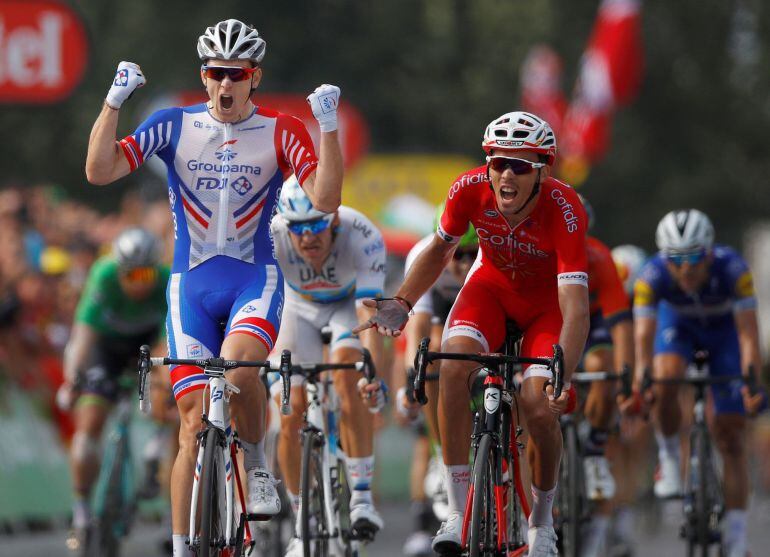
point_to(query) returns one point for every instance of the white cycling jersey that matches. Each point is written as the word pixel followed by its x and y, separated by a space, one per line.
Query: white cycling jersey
pixel 355 267
pixel 446 286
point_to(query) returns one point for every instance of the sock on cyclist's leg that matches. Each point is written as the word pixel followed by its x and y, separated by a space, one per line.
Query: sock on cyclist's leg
pixel 596 442
pixel 360 473
pixel 458 477
pixel 180 548
pixel 735 529
pixel 542 507
pixel 596 536
pixel 294 500
pixel 81 512
pixel 254 455
pixel 668 446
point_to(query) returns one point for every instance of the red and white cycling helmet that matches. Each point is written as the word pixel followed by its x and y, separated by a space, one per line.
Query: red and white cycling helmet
pixel 520 131
pixel 231 40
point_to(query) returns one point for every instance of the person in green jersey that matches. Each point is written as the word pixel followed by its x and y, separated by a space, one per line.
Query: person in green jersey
pixel 123 306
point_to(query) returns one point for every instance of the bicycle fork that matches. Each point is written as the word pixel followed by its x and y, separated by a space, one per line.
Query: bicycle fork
pixel 218 416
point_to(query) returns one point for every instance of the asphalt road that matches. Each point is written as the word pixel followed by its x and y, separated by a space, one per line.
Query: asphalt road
pixel 656 528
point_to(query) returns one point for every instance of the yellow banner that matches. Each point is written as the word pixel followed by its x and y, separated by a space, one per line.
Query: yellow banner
pixel 378 178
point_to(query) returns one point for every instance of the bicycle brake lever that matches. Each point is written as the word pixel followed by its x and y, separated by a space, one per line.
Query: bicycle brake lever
pixel 420 364
pixel 285 371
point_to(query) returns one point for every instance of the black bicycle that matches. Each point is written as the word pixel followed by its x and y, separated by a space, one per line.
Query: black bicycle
pixel 703 500
pixel 493 528
pixel 571 509
pixel 324 517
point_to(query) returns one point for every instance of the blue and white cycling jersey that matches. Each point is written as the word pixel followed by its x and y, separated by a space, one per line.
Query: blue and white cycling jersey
pixel 355 267
pixel 729 288
pixel 223 184
pixel 223 178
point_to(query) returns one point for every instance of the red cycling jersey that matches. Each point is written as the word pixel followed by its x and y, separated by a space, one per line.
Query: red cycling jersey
pixel 546 248
pixel 520 267
pixel 605 290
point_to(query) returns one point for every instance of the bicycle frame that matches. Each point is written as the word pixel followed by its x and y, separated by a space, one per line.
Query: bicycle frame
pixel 218 416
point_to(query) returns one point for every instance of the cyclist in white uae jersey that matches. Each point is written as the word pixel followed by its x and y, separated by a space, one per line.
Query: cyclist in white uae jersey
pixel 329 262
pixel 226 161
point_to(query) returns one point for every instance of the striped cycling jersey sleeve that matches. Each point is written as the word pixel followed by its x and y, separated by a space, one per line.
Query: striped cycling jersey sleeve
pixel 151 137
pixel 296 153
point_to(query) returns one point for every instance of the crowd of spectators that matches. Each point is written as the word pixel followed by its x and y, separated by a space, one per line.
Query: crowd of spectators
pixel 47 245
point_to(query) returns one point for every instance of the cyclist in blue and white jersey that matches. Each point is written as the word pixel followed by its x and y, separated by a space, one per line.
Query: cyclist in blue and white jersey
pixel 329 261
pixel 694 294
pixel 226 161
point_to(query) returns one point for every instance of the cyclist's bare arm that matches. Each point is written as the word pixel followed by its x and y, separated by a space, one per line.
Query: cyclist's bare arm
pixel 105 161
pixel 748 338
pixel 622 334
pixel 76 352
pixel 644 335
pixel 573 302
pixel 324 184
pixel 426 269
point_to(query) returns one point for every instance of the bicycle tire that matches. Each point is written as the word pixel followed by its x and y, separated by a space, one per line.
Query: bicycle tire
pixel 570 499
pixel 702 496
pixel 105 538
pixel 481 536
pixel 315 539
pixel 210 529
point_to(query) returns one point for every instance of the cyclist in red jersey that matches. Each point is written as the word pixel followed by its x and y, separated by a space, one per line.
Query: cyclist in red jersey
pixel 532 270
pixel 610 347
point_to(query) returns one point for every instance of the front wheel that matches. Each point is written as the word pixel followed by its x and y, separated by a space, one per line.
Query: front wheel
pixel 315 538
pixel 482 537
pixel 212 531
pixel 570 500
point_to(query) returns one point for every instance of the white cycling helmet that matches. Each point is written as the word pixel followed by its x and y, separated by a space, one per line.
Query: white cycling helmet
pixel 684 231
pixel 520 131
pixel 231 40
pixel 629 260
pixel 134 248
pixel 294 205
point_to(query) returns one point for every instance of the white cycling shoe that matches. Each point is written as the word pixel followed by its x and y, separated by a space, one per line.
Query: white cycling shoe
pixel 435 488
pixel 600 485
pixel 668 481
pixel 542 541
pixel 294 549
pixel 418 544
pixel 365 519
pixel 263 501
pixel 448 540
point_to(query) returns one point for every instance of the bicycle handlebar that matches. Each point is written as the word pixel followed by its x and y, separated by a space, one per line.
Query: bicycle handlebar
pixel 423 357
pixel 366 366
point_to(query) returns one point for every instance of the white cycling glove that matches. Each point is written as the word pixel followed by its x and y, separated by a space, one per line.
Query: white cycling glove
pixel 377 398
pixel 324 102
pixel 128 78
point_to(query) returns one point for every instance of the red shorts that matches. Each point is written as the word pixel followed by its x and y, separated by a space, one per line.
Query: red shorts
pixel 483 306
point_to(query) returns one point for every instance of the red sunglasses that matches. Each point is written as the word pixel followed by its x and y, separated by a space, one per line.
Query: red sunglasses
pixel 235 73
pixel 518 166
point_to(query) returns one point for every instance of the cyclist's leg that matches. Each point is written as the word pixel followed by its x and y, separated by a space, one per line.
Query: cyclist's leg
pixel 192 333
pixel 475 324
pixel 303 338
pixel 729 429
pixel 673 348
pixel 545 440
pixel 250 334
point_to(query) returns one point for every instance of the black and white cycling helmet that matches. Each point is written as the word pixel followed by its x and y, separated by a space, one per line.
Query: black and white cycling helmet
pixel 231 40
pixel 520 131
pixel 134 248
pixel 684 231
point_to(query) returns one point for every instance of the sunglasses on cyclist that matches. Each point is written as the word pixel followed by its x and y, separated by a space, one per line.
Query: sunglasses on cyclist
pixel 314 226
pixel 141 275
pixel 692 258
pixel 235 73
pixel 518 166
pixel 465 255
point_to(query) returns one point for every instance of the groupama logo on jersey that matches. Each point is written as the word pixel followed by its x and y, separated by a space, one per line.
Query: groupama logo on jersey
pixel 224 152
